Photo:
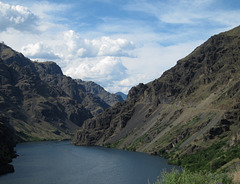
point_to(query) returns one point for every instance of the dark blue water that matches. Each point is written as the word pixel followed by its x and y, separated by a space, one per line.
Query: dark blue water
pixel 62 163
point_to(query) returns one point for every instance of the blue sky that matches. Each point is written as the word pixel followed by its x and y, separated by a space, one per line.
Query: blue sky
pixel 116 43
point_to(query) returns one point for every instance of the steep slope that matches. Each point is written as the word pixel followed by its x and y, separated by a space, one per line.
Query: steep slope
pixel 190 108
pixel 97 90
pixel 51 74
pixel 41 102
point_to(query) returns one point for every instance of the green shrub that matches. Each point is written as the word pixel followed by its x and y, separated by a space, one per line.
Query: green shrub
pixel 208 159
pixel 188 177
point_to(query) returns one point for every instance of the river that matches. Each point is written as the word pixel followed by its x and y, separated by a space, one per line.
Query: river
pixel 62 163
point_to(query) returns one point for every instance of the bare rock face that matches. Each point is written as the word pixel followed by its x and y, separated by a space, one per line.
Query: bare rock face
pixel 190 107
pixel 100 128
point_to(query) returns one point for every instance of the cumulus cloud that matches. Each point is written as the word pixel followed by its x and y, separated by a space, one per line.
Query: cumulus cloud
pixel 100 49
pixel 17 17
pixel 129 81
pixel 98 59
pixel 105 46
pixel 39 51
pixel 104 71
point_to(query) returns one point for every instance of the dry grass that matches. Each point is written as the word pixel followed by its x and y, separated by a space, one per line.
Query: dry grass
pixel 236 177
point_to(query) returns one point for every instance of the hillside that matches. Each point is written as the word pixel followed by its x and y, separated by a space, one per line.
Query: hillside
pixel 191 114
pixel 97 90
pixel 38 102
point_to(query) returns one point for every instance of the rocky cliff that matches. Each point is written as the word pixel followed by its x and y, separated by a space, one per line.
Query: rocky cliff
pixel 192 109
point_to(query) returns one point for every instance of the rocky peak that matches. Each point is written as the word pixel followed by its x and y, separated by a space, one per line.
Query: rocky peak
pixel 10 56
pixel 137 91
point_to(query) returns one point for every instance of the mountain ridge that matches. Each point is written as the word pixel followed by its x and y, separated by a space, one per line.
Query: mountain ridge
pixel 190 106
pixel 38 102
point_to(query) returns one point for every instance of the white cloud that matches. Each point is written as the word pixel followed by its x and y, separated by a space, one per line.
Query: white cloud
pixel 105 46
pixel 98 59
pixel 17 17
pixel 39 51
pixel 118 47
pixel 191 12
pixel 228 18
pixel 135 44
pixel 104 70
pixel 132 80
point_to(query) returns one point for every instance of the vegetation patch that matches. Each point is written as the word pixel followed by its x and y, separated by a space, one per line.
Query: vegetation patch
pixel 144 139
pixel 115 144
pixel 209 159
pixel 188 177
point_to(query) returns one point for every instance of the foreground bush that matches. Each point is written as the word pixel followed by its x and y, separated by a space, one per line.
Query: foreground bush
pixel 187 177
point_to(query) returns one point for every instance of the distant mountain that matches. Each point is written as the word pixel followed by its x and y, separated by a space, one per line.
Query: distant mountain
pixel 97 90
pixel 38 102
pixel 191 114
pixel 124 97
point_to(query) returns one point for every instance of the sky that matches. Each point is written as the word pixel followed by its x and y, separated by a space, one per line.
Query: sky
pixel 115 43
